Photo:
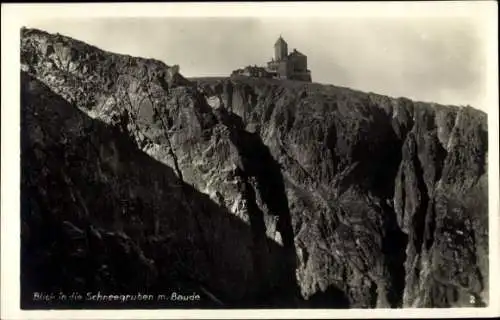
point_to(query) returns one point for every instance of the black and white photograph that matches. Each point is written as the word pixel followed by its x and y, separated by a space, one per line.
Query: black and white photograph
pixel 210 157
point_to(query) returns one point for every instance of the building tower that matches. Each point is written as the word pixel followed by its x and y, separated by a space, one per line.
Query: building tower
pixel 280 49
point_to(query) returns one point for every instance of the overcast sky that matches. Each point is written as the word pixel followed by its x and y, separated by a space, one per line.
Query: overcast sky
pixel 439 59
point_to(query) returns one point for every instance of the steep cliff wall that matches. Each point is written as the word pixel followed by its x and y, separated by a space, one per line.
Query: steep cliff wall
pixel 298 194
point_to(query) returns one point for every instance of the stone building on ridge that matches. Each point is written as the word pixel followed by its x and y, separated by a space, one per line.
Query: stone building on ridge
pixel 284 65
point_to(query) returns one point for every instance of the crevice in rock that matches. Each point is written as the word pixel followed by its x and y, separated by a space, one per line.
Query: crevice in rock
pixel 441 154
pixel 418 219
pixel 373 294
pixel 258 163
pixel 430 226
pixel 394 248
pixel 394 242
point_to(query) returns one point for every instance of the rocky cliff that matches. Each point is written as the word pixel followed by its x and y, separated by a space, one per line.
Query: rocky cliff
pixel 251 192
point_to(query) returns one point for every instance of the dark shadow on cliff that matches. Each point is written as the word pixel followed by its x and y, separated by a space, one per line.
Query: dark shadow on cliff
pixel 116 221
pixel 379 154
pixel 262 175
pixel 395 241
pixel 332 297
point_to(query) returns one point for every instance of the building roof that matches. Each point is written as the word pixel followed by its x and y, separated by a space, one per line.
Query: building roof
pixel 280 40
pixel 295 52
pixel 254 68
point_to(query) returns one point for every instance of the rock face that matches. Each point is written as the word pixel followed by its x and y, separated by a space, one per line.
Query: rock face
pixel 251 192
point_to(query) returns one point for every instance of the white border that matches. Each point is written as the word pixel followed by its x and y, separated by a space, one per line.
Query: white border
pixel 16 15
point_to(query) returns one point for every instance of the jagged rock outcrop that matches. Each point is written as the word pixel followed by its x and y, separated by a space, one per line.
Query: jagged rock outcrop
pixel 290 194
